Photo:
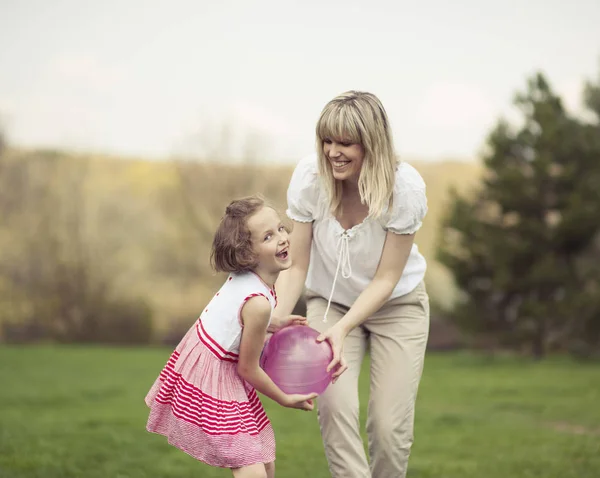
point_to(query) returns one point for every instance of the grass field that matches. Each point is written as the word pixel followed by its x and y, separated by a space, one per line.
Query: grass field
pixel 79 412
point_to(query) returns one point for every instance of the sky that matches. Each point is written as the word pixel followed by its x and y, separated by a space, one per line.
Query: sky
pixel 244 78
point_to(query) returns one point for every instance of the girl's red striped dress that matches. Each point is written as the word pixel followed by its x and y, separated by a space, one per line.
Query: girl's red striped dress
pixel 199 402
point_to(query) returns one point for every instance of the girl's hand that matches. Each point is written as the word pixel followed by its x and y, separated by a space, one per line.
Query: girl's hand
pixel 335 336
pixel 301 402
pixel 278 323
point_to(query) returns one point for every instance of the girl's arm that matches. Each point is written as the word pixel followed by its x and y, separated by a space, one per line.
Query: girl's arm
pixel 394 257
pixel 290 284
pixel 255 316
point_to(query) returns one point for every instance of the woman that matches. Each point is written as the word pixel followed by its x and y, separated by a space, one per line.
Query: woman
pixel 356 210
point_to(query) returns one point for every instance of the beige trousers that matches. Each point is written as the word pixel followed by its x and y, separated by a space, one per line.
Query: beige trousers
pixel 396 336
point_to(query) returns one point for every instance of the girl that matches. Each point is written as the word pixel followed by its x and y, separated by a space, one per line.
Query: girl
pixel 356 210
pixel 204 400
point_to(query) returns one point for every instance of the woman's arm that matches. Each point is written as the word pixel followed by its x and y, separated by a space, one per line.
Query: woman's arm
pixel 394 257
pixel 290 284
pixel 255 315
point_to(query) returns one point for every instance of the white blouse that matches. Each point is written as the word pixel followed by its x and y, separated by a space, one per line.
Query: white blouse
pixel 355 253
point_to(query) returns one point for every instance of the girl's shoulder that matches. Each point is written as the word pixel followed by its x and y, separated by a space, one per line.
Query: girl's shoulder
pixel 243 285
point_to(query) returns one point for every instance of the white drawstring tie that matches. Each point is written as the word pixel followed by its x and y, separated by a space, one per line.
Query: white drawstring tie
pixel 343 261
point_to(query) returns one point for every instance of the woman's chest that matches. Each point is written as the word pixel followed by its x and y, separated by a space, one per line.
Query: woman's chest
pixel 364 242
pixel 352 215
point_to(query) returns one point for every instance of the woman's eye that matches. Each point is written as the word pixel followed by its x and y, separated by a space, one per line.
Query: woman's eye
pixel 327 140
pixel 267 237
pixel 281 228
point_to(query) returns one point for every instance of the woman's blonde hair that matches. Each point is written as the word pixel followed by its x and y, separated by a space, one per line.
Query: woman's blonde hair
pixel 360 118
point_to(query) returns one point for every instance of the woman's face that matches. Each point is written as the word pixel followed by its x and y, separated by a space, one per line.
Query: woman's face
pixel 346 158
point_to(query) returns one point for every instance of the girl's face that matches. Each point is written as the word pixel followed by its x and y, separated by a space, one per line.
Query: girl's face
pixel 346 158
pixel 270 241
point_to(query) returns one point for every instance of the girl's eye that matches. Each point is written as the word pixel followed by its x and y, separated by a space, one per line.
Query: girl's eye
pixel 267 237
pixel 281 228
pixel 327 140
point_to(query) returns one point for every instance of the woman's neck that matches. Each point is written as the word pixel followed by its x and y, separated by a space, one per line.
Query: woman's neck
pixel 350 188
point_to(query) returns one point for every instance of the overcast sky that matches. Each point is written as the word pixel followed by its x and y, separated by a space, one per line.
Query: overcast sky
pixel 156 78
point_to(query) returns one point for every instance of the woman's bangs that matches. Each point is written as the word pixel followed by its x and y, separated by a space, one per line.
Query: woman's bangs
pixel 338 124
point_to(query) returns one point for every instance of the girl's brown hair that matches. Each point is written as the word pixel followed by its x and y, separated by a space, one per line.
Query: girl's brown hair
pixel 232 245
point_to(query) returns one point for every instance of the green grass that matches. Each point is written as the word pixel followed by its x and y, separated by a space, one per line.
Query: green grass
pixel 79 412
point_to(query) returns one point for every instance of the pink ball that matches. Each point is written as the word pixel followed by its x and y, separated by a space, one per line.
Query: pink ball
pixel 296 362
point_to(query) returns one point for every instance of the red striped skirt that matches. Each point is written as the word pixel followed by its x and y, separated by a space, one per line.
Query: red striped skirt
pixel 201 404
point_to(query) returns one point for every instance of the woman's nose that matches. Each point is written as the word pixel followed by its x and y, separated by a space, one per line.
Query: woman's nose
pixel 333 151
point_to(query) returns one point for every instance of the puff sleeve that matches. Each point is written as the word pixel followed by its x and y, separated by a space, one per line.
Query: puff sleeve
pixel 302 193
pixel 410 201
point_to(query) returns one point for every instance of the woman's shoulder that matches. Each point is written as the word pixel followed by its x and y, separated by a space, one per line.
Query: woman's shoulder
pixel 303 191
pixel 409 201
pixel 306 171
pixel 408 178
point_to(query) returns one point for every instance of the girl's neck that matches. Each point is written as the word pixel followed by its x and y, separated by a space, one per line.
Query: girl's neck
pixel 268 279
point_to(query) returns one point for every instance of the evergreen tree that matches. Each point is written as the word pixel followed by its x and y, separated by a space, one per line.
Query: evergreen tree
pixel 520 247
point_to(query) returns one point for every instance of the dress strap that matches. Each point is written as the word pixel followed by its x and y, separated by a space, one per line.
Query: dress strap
pixel 343 248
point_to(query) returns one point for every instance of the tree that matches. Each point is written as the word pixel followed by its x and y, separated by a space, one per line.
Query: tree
pixel 517 247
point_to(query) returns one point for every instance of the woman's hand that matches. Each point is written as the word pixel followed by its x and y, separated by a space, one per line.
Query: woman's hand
pixel 278 323
pixel 301 402
pixel 335 336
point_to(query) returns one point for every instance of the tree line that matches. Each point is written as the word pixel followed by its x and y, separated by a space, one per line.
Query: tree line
pixel 523 248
